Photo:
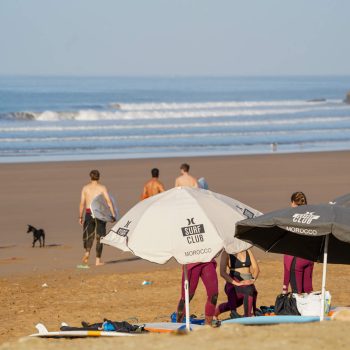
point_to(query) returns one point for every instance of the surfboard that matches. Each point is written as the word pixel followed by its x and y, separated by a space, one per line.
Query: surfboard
pixel 44 333
pixel 100 209
pixel 265 320
pixel 168 327
pixel 202 183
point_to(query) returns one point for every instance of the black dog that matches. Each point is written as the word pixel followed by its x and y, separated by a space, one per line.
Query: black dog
pixel 37 235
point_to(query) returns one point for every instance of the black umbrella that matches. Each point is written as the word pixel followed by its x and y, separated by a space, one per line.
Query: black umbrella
pixel 314 232
pixel 343 201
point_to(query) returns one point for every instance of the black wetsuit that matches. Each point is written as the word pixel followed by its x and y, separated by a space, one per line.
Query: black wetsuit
pixel 93 227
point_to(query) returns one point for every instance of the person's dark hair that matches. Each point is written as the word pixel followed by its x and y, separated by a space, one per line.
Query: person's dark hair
pixel 155 172
pixel 298 198
pixel 94 175
pixel 185 167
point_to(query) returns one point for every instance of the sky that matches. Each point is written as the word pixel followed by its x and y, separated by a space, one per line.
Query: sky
pixel 174 37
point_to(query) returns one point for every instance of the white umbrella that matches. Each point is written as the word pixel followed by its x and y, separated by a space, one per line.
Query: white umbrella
pixel 190 224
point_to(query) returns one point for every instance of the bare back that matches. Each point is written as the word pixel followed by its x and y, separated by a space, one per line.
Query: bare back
pixel 152 187
pixel 90 191
pixel 186 180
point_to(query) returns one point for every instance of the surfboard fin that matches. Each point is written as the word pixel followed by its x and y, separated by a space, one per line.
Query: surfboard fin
pixel 41 328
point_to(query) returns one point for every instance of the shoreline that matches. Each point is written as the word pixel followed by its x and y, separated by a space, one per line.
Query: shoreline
pixel 138 156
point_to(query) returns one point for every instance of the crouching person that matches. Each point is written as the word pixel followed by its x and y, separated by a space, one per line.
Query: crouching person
pixel 240 289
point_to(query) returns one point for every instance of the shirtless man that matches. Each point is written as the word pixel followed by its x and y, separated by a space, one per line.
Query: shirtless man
pixel 153 186
pixel 93 227
pixel 185 179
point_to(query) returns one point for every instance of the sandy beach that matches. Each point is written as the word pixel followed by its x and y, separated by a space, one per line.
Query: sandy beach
pixel 46 195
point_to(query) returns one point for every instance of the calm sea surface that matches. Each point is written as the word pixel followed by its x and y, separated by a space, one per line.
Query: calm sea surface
pixel 61 118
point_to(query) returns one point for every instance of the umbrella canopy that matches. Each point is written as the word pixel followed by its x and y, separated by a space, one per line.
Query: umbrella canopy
pixel 343 201
pixel 190 224
pixel 301 231
pixel 314 232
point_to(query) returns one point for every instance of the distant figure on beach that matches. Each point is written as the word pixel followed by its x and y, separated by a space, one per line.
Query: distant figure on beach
pixel 93 227
pixel 153 186
pixel 239 287
pixel 297 271
pixel 185 179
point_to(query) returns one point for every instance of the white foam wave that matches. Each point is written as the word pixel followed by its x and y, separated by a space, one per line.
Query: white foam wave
pixel 92 115
pixel 155 126
pixel 218 105
pixel 170 136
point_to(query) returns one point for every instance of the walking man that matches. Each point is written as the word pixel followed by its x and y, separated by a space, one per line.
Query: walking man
pixel 186 179
pixel 153 186
pixel 91 226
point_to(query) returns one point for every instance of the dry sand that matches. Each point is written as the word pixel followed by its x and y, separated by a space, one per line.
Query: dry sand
pixel 47 195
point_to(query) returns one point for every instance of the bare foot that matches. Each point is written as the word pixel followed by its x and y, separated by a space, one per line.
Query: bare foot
pixel 99 262
pixel 85 259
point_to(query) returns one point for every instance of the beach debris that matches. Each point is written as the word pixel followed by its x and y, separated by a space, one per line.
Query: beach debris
pixel 44 285
pixel 83 266
pixel 146 283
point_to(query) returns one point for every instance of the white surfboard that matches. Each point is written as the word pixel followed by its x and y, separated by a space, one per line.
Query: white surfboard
pixel 100 209
pixel 44 333
pixel 168 327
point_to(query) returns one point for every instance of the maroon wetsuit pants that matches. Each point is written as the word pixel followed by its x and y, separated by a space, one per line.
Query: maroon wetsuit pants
pixel 298 272
pixel 206 272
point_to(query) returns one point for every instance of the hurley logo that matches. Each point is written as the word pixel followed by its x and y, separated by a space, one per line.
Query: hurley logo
pixel 305 218
pixel 193 232
pixel 123 231
pixel 248 214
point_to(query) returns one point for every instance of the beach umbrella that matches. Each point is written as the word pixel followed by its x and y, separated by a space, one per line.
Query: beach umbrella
pixel 314 232
pixel 189 224
pixel 343 201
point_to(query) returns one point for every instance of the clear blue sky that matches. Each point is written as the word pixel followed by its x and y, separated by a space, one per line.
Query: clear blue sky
pixel 174 37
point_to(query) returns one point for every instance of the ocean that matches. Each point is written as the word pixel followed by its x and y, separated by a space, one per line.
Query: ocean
pixel 83 118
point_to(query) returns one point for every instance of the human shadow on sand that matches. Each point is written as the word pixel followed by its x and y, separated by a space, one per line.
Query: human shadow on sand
pixel 123 260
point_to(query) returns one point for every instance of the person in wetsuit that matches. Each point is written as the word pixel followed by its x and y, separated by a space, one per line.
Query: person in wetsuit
pixel 239 287
pixel 93 227
pixel 153 186
pixel 207 273
pixel 297 271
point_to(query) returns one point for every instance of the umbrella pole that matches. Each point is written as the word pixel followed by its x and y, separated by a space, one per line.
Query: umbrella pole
pixel 187 299
pixel 323 290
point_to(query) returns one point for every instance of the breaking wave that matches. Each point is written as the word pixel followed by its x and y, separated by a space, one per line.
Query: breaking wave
pixel 167 111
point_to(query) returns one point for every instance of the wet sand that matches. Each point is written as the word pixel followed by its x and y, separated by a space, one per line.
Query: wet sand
pixel 46 195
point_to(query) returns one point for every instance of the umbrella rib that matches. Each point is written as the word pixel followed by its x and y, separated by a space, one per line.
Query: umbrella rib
pixel 276 242
pixel 321 248
pixel 154 200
